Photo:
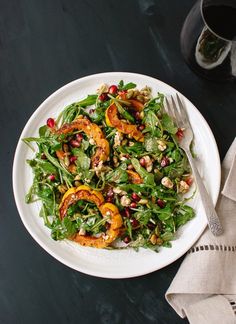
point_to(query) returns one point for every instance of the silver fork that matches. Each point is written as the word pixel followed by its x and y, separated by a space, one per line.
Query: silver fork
pixel 179 114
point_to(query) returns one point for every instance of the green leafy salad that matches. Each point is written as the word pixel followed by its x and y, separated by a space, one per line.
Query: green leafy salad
pixel 109 172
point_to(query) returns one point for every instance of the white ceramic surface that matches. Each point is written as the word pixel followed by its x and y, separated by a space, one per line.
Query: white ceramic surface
pixel 113 263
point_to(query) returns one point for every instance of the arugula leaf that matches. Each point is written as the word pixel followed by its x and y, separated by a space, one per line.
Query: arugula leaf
pixel 119 175
pixel 184 214
pixel 148 178
pixel 127 86
pixel 168 124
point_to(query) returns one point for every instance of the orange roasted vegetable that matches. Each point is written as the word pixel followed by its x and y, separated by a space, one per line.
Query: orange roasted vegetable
pixel 136 104
pixel 134 177
pixel 106 209
pixel 92 131
pixel 113 120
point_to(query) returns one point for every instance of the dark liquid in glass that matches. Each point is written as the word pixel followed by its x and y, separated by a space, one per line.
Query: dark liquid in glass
pixel 208 39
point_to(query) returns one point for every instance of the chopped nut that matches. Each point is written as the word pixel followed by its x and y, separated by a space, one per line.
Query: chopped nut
pixel 77 177
pixel 159 241
pixel 117 139
pixel 183 187
pixel 103 88
pixel 91 141
pixel 125 201
pixel 140 98
pixel 66 161
pixel 129 93
pixel 143 201
pixel 82 232
pixel 166 182
pixel 65 148
pixel 148 163
pixel 62 188
pixel 77 183
pixel 161 145
pixel 119 191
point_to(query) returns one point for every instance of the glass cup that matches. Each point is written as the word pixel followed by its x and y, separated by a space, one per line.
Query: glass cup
pixel 208 39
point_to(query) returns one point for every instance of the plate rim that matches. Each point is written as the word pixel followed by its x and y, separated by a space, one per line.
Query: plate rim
pixel 17 154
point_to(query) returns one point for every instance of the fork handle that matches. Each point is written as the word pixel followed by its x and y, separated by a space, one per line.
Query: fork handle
pixel 212 217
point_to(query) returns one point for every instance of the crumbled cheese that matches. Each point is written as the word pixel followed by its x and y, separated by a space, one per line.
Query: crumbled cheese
pixel 82 232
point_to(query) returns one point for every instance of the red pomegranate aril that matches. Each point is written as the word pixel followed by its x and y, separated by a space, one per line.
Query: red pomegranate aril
pixel 180 133
pixel 110 199
pixel 130 167
pixel 127 212
pixel 137 115
pixel 51 177
pixel 189 181
pixel 142 162
pixel 43 156
pixel 141 127
pixel 73 159
pixel 51 122
pixel 126 239
pixel 91 111
pixel 165 161
pixel 135 197
pixel 113 89
pixel 103 96
pixel 133 205
pixel 75 143
pixel 134 222
pixel 160 203
pixel 79 137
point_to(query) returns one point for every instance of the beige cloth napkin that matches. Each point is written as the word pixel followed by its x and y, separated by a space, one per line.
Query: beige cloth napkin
pixel 204 288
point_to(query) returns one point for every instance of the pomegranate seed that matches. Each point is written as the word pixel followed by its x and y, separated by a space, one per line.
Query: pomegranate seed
pixel 130 167
pixel 75 143
pixel 133 205
pixel 51 177
pixel 160 203
pixel 142 162
pixel 141 127
pixel 43 156
pixel 189 181
pixel 103 96
pixel 73 159
pixel 113 89
pixel 110 199
pixel 110 193
pixel 135 197
pixel 137 115
pixel 91 111
pixel 134 222
pixel 50 122
pixel 180 133
pixel 79 137
pixel 127 212
pixel 165 161
pixel 126 239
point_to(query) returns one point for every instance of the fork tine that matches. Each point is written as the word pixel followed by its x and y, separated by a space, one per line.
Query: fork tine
pixel 183 111
pixel 177 114
pixel 168 108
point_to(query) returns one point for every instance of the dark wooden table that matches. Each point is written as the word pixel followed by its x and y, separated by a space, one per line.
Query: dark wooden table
pixel 43 45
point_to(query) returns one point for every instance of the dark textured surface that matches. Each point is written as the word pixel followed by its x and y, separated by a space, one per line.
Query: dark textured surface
pixel 43 45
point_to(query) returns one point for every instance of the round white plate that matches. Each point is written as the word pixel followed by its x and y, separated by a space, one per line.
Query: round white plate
pixel 113 263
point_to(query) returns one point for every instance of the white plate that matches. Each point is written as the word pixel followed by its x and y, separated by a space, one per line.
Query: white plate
pixel 114 263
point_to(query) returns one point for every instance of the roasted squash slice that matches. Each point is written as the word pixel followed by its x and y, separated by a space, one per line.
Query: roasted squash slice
pixel 106 209
pixel 92 131
pixel 113 120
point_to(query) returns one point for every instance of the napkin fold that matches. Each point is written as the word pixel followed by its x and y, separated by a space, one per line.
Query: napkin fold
pixel 204 288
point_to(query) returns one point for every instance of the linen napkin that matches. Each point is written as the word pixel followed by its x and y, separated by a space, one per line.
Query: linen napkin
pixel 204 288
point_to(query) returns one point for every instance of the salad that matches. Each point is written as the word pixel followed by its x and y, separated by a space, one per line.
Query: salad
pixel 109 172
